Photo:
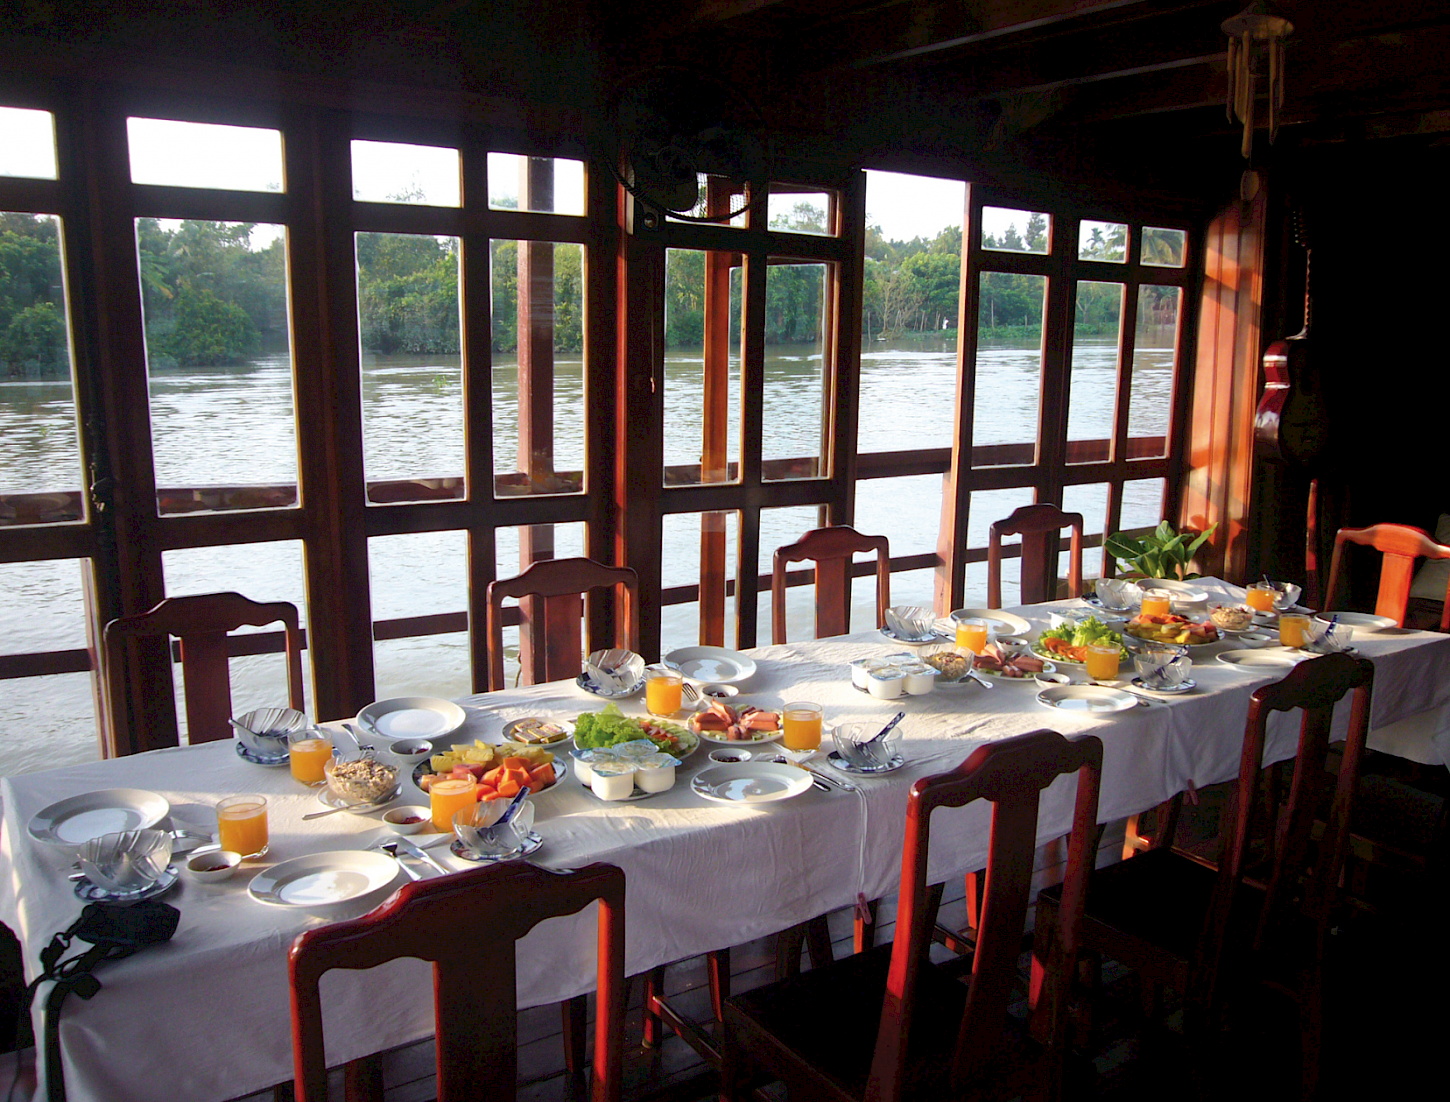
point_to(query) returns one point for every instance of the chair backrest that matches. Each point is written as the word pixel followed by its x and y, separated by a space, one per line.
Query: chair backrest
pixel 1011 773
pixel 1401 545
pixel 201 623
pixel 1040 527
pixel 441 920
pixel 1299 879
pixel 831 549
pixel 551 601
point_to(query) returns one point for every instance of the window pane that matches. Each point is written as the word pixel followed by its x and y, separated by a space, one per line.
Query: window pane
pixel 906 510
pixel 1009 365
pixel 799 212
pixel 387 172
pixel 687 536
pixel 219 362
pixel 1154 346
pixel 1094 368
pixel 1142 505
pixel 985 509
pixel 1018 231
pixel 1104 241
pixel 554 184
pixel 908 393
pixel 1091 501
pixel 797 377
pixel 538 368
pixel 702 434
pixel 518 548
pixel 412 394
pixel 1164 248
pixel 40 466
pixel 196 154
pixel 418 575
pixel 27 143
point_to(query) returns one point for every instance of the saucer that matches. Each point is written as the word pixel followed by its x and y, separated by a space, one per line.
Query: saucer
pixel 593 688
pixel 838 762
pixel 531 845
pixel 94 893
pixel 259 759
pixel 1182 687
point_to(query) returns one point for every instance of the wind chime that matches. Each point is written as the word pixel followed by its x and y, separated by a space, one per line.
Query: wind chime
pixel 1256 53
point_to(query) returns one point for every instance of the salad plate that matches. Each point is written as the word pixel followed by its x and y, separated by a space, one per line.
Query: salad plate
pixel 93 893
pixel 1078 634
pixel 411 717
pixel 1086 698
pixel 324 879
pixel 596 730
pixel 716 664
pixel 75 820
pixel 751 782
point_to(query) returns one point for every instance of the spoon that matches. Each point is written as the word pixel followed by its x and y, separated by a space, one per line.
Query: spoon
pixel 391 849
pixel 361 809
pixel 881 734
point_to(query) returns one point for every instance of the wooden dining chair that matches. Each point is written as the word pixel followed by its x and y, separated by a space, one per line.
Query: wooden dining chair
pixel 201 623
pixel 1040 527
pixel 1401 545
pixel 441 920
pixel 832 550
pixel 551 596
pixel 887 1025
pixel 1261 912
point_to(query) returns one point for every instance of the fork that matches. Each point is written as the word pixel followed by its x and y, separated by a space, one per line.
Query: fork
pixel 390 847
pixel 689 692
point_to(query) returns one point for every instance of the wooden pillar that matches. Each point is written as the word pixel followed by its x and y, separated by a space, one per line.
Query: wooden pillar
pixel 715 442
pixel 951 546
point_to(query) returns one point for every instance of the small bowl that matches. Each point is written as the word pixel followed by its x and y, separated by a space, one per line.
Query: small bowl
pixel 1047 680
pixel 352 792
pixel 853 743
pixel 211 866
pixel 408 819
pixel 471 826
pixel 1117 595
pixel 126 862
pixel 714 690
pixel 615 671
pixel 730 755
pixel 1288 594
pixel 408 752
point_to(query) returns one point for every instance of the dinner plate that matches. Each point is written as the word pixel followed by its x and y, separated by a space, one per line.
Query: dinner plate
pixel 1260 659
pixel 711 664
pixel 324 879
pixel 593 688
pixel 247 754
pixel 1086 698
pixel 560 764
pixel 1182 687
pixel 1183 592
pixel 890 766
pixel 1003 623
pixel 75 820
pixel 531 845
pixel 94 893
pixel 936 637
pixel 750 782
pixel 411 717
pixel 1360 621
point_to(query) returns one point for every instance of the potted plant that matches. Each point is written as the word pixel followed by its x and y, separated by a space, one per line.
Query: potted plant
pixel 1162 553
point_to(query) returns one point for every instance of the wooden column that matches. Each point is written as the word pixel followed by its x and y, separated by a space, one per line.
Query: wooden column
pixel 951 546
pixel 715 442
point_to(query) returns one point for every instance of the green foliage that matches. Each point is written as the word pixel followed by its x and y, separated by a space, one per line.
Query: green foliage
pixel 209 331
pixel 32 316
pixel 1162 553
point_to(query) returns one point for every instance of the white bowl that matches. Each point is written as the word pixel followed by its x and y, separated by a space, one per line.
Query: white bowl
pixel 408 752
pixel 730 755
pixel 395 819
pixel 128 861
pixel 212 865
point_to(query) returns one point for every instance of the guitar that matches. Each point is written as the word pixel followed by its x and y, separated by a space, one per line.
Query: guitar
pixel 1291 421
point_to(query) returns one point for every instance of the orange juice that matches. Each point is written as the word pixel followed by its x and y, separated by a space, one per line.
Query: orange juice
pixel 1260 597
pixel 1157 602
pixel 802 726
pixel 307 757
pixel 1102 662
pixel 242 825
pixel 663 692
pixel 1291 630
pixel 972 635
pixel 447 796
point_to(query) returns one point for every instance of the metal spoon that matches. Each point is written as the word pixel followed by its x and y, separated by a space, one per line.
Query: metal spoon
pixel 391 849
pixel 361 809
pixel 881 734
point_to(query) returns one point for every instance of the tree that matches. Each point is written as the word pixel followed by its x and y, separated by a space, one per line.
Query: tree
pixel 32 300
pixel 209 331
pixel 1036 241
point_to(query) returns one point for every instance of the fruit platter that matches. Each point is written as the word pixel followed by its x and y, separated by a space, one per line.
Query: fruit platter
pixel 499 771
pixel 1171 628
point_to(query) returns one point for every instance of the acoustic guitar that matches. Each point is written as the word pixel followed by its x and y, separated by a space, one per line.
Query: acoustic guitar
pixel 1291 422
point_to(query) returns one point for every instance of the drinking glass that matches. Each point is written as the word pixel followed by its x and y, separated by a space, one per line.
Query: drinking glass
pixel 1157 602
pixel 308 752
pixel 972 635
pixel 801 723
pixel 1102 661
pixel 663 691
pixel 1261 596
pixel 1292 629
pixel 242 825
pixel 449 795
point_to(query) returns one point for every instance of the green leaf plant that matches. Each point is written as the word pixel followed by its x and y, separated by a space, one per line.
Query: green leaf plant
pixel 1162 553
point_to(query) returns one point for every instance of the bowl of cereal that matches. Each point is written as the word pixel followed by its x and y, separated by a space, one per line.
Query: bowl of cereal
pixel 361 779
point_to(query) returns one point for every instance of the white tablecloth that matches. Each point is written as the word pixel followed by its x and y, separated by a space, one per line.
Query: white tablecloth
pixel 207 1014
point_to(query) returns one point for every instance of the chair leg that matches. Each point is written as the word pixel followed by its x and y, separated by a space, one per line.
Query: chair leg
pixel 717 965
pixel 363 1079
pixel 863 932
pixel 654 987
pixel 788 945
pixel 818 941
pixel 974 883
pixel 575 1015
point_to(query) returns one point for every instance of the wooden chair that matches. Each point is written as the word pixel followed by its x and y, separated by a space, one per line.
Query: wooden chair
pixel 1401 545
pixel 440 920
pixel 831 549
pixel 887 1025
pixel 1040 527
pixel 1202 928
pixel 201 623
pixel 551 593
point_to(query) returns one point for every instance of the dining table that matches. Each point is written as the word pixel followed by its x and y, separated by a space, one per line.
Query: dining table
pixel 207 1013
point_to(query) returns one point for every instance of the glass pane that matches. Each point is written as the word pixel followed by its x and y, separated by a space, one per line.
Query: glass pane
pixel 388 172
pixel 198 154
pixel 412 390
pixel 797 377
pixel 418 575
pixel 1154 346
pixel 1094 368
pixel 40 465
pixel 539 541
pixel 1009 366
pixel 799 212
pixel 1142 505
pixel 1091 500
pixel 687 539
pixel 58 717
pixel 985 509
pixel 535 183
pixel 27 143
pixel 906 510
pixel 702 438
pixel 538 367
pixel 218 356
pixel 1164 248
pixel 908 393
pixel 1017 231
pixel 1104 241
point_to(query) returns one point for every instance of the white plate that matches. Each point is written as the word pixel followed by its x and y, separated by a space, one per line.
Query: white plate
pixel 560 764
pixel 411 717
pixel 936 637
pixel 1086 698
pixel 593 688
pixel 1360 621
pixel 566 728
pixel 1003 623
pixel 323 879
pixel 750 782
pixel 763 736
pixel 711 664
pixel 1261 658
pixel 75 820
pixel 999 679
pixel 1182 687
pixel 1128 633
pixel 1183 592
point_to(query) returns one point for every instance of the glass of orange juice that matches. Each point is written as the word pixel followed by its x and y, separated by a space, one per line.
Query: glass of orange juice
pixel 308 750
pixel 242 825
pixel 972 635
pixel 1157 602
pixel 1260 596
pixel 1102 661
pixel 1293 629
pixel 449 795
pixel 801 723
pixel 663 691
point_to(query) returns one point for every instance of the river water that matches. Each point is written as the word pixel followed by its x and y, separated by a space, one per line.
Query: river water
pixel 236 426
